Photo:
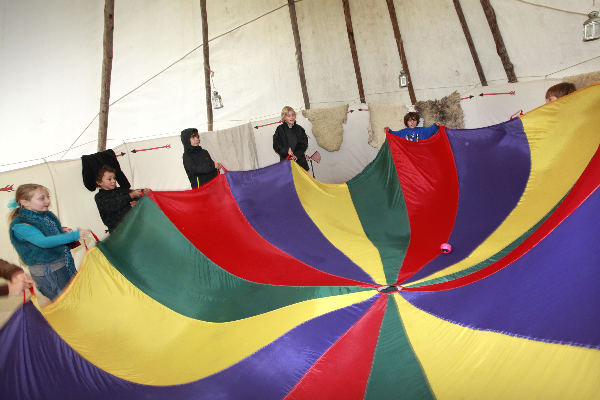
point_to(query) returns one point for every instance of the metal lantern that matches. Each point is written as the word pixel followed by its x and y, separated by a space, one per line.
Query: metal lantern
pixel 403 78
pixel 591 27
pixel 217 102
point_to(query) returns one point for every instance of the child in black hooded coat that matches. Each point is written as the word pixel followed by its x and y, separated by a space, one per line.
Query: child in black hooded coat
pixel 290 140
pixel 199 166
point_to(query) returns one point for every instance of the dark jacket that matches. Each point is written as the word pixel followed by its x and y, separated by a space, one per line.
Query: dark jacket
pixel 199 167
pixel 281 143
pixel 113 205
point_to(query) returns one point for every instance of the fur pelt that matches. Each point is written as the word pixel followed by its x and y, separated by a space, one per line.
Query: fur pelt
pixel 583 80
pixel 384 115
pixel 447 111
pixel 327 125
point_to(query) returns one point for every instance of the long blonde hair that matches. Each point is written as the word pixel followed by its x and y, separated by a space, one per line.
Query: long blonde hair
pixel 25 192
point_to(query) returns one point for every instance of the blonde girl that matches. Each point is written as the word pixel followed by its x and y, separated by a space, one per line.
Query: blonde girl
pixel 290 140
pixel 40 240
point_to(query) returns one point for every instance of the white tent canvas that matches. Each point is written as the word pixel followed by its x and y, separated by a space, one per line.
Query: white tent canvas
pixel 52 51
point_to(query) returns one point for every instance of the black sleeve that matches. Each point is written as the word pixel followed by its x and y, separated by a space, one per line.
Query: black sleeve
pixel 112 200
pixel 200 164
pixel 112 204
pixel 278 145
pixel 302 144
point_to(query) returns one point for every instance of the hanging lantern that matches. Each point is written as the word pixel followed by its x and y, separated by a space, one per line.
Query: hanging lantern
pixel 591 27
pixel 403 78
pixel 217 102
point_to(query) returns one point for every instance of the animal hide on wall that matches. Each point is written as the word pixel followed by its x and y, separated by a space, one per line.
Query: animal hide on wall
pixel 447 111
pixel 327 125
pixel 583 80
pixel 384 115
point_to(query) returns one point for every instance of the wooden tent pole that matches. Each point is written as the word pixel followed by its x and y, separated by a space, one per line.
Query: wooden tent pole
pixel 400 45
pixel 107 45
pixel 205 51
pixel 361 90
pixel 465 28
pixel 500 48
pixel 294 21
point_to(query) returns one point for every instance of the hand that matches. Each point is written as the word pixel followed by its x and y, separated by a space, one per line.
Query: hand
pixel 292 155
pixel 437 123
pixel 84 232
pixel 136 194
pixel 28 281
pixel 218 165
pixel 19 282
pixel 67 230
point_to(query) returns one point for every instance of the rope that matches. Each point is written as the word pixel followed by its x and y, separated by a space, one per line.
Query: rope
pixel 81 134
pixel 193 50
pixel 550 8
pixel 25 294
pixel 169 66
pixel 53 187
pixel 518 113
pixel 43 158
pixel 571 66
pixel 95 238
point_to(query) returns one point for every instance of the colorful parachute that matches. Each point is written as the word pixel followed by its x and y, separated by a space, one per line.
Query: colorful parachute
pixel 267 284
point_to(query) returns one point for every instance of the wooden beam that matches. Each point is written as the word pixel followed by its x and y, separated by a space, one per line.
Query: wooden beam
pixel 400 45
pixel 294 21
pixel 359 83
pixel 107 56
pixel 205 51
pixel 465 28
pixel 500 48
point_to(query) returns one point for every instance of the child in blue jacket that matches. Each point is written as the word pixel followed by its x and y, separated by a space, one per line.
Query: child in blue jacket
pixel 413 132
pixel 41 241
